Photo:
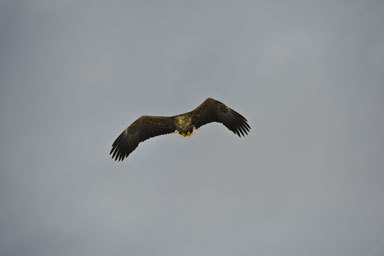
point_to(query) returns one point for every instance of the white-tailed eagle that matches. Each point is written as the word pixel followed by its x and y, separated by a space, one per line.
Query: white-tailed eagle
pixel 146 127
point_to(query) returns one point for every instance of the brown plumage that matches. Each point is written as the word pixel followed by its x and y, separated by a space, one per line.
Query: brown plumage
pixel 146 127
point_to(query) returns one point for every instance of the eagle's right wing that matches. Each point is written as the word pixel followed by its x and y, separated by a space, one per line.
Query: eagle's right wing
pixel 142 129
pixel 212 110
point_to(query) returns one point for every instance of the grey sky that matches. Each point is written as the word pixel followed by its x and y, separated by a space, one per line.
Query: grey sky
pixel 308 180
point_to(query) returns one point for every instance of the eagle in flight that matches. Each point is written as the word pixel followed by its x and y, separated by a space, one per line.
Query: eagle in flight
pixel 146 127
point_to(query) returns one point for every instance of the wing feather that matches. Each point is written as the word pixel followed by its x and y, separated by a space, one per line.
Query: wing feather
pixel 142 129
pixel 212 110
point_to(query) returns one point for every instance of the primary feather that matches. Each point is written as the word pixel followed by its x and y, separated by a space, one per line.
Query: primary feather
pixel 146 127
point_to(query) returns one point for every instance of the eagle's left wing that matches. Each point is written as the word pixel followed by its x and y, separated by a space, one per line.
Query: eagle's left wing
pixel 212 110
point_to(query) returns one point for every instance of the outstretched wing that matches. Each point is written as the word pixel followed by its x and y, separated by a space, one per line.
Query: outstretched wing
pixel 212 110
pixel 142 129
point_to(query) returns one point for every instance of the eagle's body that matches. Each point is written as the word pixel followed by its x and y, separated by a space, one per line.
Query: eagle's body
pixel 150 126
pixel 184 123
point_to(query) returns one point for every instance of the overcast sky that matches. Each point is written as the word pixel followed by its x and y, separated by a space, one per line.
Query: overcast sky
pixel 308 76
